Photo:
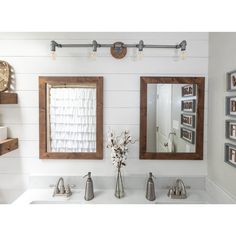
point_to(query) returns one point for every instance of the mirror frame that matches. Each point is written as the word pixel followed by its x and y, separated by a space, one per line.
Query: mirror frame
pixel 198 154
pixel 43 81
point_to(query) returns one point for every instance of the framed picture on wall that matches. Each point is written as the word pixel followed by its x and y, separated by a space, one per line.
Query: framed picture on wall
pixel 230 129
pixel 188 120
pixel 189 90
pixel 230 154
pixel 231 81
pixel 188 105
pixel 231 106
pixel 187 135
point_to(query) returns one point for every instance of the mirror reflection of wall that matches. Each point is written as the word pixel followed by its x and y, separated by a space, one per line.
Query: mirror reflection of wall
pixel 165 131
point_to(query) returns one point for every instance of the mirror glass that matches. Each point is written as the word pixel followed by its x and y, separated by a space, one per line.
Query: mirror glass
pixel 171 116
pixel 71 118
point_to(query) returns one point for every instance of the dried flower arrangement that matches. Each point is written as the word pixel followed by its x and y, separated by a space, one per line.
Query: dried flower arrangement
pixel 119 147
pixel 119 151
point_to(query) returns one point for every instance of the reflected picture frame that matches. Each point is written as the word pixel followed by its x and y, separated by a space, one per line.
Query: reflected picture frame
pixel 189 90
pixel 188 105
pixel 188 120
pixel 230 154
pixel 231 81
pixel 187 135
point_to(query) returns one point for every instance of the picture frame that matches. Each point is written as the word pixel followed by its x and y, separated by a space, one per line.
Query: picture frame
pixel 187 135
pixel 188 120
pixel 230 105
pixel 230 129
pixel 189 90
pixel 231 81
pixel 188 105
pixel 230 154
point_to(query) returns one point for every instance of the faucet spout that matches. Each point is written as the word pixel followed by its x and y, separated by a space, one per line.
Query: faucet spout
pixel 61 190
pixel 60 185
pixel 178 191
pixel 180 185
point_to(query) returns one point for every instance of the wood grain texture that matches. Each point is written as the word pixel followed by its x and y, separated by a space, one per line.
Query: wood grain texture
pixel 44 154
pixel 8 98
pixel 118 54
pixel 8 145
pixel 198 155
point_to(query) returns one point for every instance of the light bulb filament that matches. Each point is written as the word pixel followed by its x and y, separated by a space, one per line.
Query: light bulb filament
pixel 53 55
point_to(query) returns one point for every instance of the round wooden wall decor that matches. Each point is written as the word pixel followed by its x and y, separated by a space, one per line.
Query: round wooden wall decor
pixel 4 75
pixel 118 50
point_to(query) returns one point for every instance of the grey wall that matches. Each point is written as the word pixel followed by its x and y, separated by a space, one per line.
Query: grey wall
pixel 222 59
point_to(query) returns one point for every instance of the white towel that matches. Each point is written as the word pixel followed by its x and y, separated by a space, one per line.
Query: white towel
pixel 171 145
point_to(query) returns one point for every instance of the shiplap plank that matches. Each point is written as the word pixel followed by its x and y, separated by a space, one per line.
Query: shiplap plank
pixel 30 149
pixel 29 115
pixel 118 81
pixel 107 65
pixel 30 132
pixel 106 35
pixel 111 99
pixel 34 166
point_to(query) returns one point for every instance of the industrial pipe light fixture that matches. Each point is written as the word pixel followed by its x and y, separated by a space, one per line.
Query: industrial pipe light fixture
pixel 118 49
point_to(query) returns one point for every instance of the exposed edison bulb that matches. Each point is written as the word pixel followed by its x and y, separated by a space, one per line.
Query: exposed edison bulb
pixel 93 55
pixel 140 55
pixel 53 55
pixel 183 55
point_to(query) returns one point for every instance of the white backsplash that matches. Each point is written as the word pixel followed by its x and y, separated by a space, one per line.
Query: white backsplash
pixel 108 182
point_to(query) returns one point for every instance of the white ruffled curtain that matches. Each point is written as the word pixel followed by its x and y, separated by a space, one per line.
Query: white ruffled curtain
pixel 73 119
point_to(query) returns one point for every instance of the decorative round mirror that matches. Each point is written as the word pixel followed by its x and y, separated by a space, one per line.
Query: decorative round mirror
pixel 118 50
pixel 4 75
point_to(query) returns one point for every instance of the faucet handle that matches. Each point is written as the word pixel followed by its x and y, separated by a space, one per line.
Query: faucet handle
pixel 52 185
pixel 170 192
pixel 55 192
pixel 67 189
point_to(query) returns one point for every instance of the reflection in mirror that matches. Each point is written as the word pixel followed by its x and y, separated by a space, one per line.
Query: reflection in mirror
pixel 170 116
pixel 71 117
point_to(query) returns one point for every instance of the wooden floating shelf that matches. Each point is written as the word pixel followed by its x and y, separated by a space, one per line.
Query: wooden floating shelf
pixel 8 145
pixel 8 98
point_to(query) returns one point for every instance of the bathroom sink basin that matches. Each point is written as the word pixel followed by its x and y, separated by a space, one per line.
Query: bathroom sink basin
pixel 54 202
pixel 182 202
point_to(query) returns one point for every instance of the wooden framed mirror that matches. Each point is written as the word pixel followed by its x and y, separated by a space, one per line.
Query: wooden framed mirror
pixel 171 118
pixel 71 117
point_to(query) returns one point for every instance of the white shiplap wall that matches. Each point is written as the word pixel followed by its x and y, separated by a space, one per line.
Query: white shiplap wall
pixel 28 54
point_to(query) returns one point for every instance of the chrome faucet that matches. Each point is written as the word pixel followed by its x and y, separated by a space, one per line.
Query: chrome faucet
pixel 61 190
pixel 178 191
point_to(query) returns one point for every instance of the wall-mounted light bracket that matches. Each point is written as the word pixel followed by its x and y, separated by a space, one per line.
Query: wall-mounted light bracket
pixel 118 49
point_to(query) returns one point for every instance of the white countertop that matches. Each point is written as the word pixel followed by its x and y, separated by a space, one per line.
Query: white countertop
pixel 103 196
